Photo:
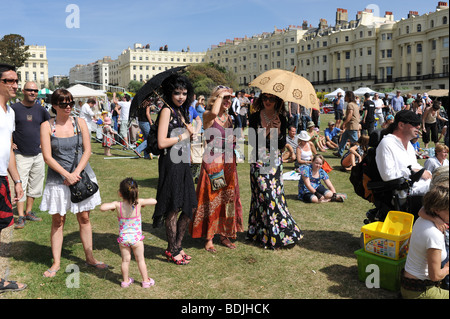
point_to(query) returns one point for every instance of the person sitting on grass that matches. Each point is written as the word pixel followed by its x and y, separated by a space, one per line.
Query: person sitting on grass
pixel 310 188
pixel 356 153
pixel 332 136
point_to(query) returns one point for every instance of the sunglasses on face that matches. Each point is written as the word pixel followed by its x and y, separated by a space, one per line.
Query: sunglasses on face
pixel 31 90
pixel 272 98
pixel 63 105
pixel 10 81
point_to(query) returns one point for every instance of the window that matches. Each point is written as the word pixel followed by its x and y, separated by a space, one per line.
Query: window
pixel 433 44
pixel 419 28
pixel 419 68
pixel 389 53
pixel 445 43
pixel 369 51
pixel 347 55
pixel 444 20
pixel 383 54
pixel 419 48
pixel 408 49
pixel 445 65
pixel 407 29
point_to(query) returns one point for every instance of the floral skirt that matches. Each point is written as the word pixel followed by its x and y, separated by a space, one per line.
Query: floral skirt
pixel 270 224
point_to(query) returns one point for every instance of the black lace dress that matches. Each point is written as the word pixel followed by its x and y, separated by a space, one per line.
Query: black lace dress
pixel 176 190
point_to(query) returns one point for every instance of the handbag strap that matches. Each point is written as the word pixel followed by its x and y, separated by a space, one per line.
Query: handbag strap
pixel 75 160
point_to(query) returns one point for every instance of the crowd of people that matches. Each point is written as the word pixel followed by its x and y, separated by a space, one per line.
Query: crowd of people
pixel 206 205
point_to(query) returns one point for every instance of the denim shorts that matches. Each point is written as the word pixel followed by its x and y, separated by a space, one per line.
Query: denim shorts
pixel 321 190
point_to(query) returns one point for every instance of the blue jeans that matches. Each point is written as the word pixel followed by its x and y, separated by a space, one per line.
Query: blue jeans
pixel 145 129
pixel 347 135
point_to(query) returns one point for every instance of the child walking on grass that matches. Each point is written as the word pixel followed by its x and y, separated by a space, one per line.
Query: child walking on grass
pixel 130 229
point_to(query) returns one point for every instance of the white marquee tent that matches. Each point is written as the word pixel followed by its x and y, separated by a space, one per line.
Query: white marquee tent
pixel 80 91
pixel 334 93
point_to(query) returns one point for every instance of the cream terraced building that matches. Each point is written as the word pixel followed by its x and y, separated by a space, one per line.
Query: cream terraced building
pixel 141 64
pixel 35 68
pixel 372 51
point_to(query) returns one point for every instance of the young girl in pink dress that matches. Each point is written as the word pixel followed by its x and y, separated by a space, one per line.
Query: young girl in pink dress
pixel 130 229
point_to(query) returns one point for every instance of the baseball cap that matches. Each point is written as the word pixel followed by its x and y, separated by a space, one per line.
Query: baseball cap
pixel 407 116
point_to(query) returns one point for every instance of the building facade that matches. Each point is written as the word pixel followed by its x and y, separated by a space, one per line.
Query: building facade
pixel 377 52
pixel 35 68
pixel 137 64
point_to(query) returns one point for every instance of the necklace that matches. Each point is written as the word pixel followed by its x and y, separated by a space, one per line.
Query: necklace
pixel 224 120
pixel 267 119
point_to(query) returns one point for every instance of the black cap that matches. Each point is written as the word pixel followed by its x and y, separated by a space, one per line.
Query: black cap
pixel 407 116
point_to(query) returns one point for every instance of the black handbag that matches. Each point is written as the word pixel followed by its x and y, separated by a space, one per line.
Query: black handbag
pixel 85 187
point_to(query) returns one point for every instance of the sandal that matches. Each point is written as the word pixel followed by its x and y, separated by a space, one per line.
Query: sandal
pixel 184 255
pixel 124 284
pixel 51 273
pixel 98 265
pixel 226 242
pixel 148 284
pixel 171 258
pixel 11 286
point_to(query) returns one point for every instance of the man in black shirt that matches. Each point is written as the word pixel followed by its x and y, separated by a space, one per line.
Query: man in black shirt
pixel 27 146
pixel 368 122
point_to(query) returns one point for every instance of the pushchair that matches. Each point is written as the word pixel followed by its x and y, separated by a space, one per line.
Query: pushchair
pixel 368 184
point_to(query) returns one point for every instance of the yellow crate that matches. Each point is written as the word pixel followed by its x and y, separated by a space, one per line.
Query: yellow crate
pixel 390 238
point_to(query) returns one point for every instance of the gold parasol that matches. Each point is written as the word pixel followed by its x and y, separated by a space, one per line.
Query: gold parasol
pixel 438 93
pixel 288 86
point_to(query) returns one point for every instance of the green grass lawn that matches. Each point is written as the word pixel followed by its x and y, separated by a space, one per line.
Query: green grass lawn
pixel 323 265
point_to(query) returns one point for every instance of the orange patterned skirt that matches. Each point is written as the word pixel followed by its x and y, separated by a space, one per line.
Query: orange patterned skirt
pixel 219 211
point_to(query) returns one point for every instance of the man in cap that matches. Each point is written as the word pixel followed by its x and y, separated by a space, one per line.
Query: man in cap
pixel 395 154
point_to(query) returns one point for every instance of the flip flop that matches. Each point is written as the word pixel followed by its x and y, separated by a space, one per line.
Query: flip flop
pixel 12 286
pixel 52 273
pixel 211 249
pixel 99 265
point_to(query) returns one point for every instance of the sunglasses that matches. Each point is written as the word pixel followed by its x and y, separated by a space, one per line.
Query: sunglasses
pixel 413 123
pixel 63 105
pixel 31 90
pixel 10 81
pixel 272 99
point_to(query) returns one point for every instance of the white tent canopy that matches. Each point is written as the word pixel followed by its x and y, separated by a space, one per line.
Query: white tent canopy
pixel 364 90
pixel 79 91
pixel 334 93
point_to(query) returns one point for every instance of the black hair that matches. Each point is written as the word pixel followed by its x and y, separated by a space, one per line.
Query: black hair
pixel 129 190
pixel 60 95
pixel 279 104
pixel 6 67
pixel 174 82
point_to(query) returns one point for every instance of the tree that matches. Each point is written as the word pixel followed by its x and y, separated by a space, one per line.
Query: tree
pixel 134 86
pixel 204 77
pixel 64 83
pixel 13 50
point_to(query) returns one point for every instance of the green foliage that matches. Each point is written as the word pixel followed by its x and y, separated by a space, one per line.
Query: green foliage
pixel 13 50
pixel 134 86
pixel 204 77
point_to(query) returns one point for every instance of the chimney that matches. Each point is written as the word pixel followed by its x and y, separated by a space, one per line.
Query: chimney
pixel 412 14
pixel 305 25
pixel 341 16
pixel 442 5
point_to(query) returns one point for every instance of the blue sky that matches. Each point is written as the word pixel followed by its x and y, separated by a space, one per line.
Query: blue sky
pixel 108 27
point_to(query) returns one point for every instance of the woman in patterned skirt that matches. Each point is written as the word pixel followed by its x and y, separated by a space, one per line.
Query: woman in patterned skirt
pixel 270 224
pixel 219 209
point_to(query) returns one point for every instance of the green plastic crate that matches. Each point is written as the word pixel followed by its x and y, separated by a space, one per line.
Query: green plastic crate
pixel 389 270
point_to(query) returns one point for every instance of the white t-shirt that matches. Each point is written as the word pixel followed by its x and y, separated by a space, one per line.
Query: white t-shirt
pixel 424 236
pixel 378 106
pixel 124 110
pixel 393 160
pixel 87 114
pixel 7 127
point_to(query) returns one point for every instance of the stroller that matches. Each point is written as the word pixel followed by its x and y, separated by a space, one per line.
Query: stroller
pixel 368 184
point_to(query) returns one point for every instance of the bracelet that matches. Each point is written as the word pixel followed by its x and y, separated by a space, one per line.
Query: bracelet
pixel 180 138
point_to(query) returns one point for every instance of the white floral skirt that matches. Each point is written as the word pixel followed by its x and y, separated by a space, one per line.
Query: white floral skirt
pixel 56 200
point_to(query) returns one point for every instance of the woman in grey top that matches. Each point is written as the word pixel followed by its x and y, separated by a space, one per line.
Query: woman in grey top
pixel 59 141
